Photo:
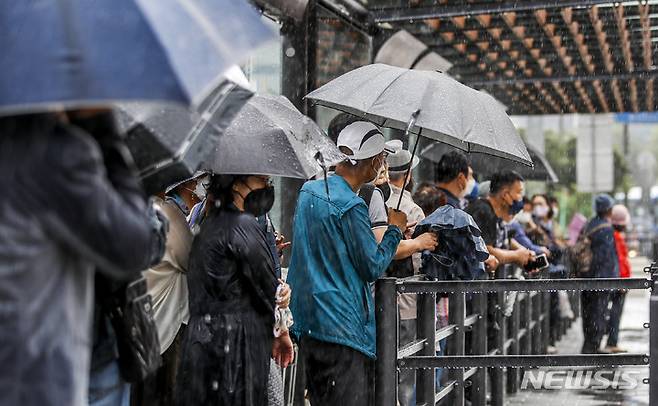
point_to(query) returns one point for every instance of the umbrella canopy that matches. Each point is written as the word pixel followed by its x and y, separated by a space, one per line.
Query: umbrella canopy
pixel 169 142
pixel 80 53
pixel 486 164
pixel 450 112
pixel 271 137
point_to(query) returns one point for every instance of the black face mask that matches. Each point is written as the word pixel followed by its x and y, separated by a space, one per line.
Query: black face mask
pixel 386 190
pixel 259 201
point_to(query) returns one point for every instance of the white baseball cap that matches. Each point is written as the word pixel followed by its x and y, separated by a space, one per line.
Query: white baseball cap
pixel 364 139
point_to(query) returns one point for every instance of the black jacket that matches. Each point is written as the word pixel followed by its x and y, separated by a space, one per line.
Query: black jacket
pixel 66 208
pixel 232 286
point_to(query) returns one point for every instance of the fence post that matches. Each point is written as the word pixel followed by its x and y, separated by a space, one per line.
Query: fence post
pixel 456 346
pixel 498 374
pixel 653 339
pixel 386 318
pixel 479 347
pixel 535 303
pixel 546 322
pixel 426 329
pixel 514 349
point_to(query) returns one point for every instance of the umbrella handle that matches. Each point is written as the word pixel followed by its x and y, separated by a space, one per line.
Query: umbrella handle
pixel 410 125
pixel 320 160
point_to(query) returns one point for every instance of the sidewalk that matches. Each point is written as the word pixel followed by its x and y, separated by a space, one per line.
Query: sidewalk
pixel 633 337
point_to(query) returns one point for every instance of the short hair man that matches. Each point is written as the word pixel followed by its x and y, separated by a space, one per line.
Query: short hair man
pixel 505 199
pixel 334 258
pixel 454 176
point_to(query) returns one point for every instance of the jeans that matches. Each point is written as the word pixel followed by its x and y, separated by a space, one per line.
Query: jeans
pixel 107 388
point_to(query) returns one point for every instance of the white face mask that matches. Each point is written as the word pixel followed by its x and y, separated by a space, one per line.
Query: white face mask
pixel 523 217
pixel 556 212
pixel 540 211
pixel 201 188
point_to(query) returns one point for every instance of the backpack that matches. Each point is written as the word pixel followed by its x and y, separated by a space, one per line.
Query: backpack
pixel 129 309
pixel 581 253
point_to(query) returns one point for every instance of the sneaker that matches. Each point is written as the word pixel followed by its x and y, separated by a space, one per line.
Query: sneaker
pixel 551 350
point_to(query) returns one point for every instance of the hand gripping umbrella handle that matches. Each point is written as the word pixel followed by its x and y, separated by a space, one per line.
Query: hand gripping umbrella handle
pixel 410 125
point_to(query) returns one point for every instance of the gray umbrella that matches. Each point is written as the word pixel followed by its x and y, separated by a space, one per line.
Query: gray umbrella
pixel 486 164
pixel 271 137
pixel 450 112
pixel 169 142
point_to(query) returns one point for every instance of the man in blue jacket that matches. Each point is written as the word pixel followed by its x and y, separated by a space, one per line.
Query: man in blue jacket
pixel 604 265
pixel 334 258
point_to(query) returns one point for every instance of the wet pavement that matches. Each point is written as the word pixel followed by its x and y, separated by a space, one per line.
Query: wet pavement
pixel 633 337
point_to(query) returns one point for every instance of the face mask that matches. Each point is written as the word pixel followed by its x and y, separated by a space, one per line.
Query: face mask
pixel 201 188
pixel 556 212
pixel 517 206
pixel 540 211
pixel 469 187
pixel 259 201
pixel 523 217
pixel 386 190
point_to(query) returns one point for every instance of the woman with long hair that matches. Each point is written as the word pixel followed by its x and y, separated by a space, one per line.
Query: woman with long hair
pixel 232 287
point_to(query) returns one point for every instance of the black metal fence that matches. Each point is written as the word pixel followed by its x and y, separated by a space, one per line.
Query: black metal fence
pixel 475 348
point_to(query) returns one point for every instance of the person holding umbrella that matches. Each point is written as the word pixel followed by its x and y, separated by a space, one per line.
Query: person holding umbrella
pixel 232 288
pixel 334 258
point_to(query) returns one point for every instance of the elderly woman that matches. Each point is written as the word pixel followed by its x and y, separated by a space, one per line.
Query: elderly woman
pixel 232 288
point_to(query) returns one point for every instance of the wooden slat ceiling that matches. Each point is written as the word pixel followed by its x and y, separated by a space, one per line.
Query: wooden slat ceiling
pixel 583 58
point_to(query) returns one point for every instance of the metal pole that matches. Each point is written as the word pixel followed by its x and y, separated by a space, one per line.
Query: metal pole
pixel 479 346
pixel 653 342
pixel 456 346
pixel 536 330
pixel 426 329
pixel 514 349
pixel 626 157
pixel 545 324
pixel 386 318
pixel 498 377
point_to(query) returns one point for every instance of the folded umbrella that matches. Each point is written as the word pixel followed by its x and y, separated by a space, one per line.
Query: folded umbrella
pixel 487 164
pixel 76 53
pixel 271 137
pixel 169 142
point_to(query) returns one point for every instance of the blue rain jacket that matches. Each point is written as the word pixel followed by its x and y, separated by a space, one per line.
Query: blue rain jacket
pixel 604 252
pixel 334 257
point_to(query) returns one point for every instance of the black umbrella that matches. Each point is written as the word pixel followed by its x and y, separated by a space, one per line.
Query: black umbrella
pixel 271 137
pixel 487 164
pixel 169 142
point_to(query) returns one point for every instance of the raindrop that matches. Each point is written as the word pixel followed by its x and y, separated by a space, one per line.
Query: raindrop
pixel 207 318
pixel 290 52
pixel 215 385
pixel 227 349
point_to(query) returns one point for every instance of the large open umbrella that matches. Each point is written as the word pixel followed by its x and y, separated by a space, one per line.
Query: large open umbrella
pixel 74 53
pixel 169 142
pixel 487 164
pixel 448 111
pixel 271 137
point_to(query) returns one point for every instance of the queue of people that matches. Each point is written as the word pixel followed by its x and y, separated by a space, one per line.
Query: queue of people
pixel 225 320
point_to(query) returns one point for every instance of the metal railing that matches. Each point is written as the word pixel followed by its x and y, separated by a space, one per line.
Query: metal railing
pixel 475 348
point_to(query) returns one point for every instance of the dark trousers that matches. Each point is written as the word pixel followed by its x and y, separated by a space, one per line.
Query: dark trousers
pixel 617 301
pixel 594 306
pixel 158 389
pixel 337 375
